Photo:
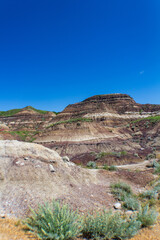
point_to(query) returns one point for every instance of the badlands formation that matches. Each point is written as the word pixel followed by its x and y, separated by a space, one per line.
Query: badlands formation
pixel 39 149
pixel 111 129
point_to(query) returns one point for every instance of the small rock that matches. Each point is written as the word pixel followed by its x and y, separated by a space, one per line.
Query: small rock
pixel 51 168
pixel 2 215
pixel 71 164
pixel 65 159
pixel 37 166
pixel 52 161
pixel 18 162
pixel 117 205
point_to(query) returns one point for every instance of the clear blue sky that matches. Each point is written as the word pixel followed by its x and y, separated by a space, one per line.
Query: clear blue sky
pixel 56 52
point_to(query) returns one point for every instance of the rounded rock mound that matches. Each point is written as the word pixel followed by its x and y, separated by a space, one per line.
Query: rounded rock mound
pixel 27 176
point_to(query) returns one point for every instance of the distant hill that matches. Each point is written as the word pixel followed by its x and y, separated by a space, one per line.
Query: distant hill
pixel 12 112
pixel 109 128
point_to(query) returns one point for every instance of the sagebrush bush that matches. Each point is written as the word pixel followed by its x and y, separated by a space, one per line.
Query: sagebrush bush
pixel 131 203
pixel 106 225
pixel 123 192
pixel 157 187
pixel 123 186
pixel 151 202
pixel 112 168
pixel 149 194
pixel 105 166
pixel 119 194
pixel 91 164
pixel 157 168
pixel 147 216
pixel 54 222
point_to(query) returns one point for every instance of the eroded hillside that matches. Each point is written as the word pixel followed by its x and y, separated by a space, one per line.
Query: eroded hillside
pixel 103 128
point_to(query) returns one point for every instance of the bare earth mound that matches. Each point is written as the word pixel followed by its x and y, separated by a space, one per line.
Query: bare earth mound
pixel 31 174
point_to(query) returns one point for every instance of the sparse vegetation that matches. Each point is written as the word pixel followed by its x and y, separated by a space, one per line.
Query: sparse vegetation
pixel 123 192
pixel 116 154
pixel 147 216
pixel 157 168
pixel 36 110
pixel 58 222
pixel 25 135
pixel 9 112
pixel 150 194
pixel 121 186
pixel 151 119
pixel 105 166
pixel 91 164
pixel 106 225
pixel 112 168
pixel 131 203
pixel 150 156
pixel 12 112
pixel 54 222
pixel 70 121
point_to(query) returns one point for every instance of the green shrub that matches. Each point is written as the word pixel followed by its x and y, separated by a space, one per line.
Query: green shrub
pixel 147 216
pixel 119 194
pixel 101 154
pixel 151 202
pixel 106 167
pixel 106 225
pixel 149 194
pixel 131 203
pixel 157 168
pixel 112 168
pixel 150 156
pixel 152 119
pixel 123 186
pixel 91 164
pixel 123 153
pixel 123 192
pixel 70 121
pixel 53 221
pixel 157 187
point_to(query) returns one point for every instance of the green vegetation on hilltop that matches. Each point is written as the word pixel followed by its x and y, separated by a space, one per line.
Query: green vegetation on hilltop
pixel 71 121
pixel 36 110
pixel 12 112
pixel 9 112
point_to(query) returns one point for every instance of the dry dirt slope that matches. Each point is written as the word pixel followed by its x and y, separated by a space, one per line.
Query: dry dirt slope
pixel 31 174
